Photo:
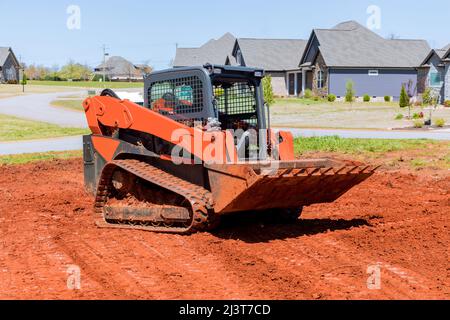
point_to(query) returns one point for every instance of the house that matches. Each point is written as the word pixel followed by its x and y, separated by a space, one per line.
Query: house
pixel 434 73
pixel 119 69
pixel 278 57
pixel 377 66
pixel 214 52
pixel 9 66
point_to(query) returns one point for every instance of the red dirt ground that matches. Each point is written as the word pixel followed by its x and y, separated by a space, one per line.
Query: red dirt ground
pixel 396 220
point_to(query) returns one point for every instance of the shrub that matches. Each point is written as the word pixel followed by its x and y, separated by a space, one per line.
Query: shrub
pixel 332 98
pixel 316 98
pixel 418 115
pixel 52 77
pixel 447 103
pixel 268 90
pixel 387 99
pixel 350 92
pixel 99 77
pixel 366 98
pixel 399 117
pixel 418 124
pixel 439 123
pixel 427 97
pixel 308 94
pixel 404 98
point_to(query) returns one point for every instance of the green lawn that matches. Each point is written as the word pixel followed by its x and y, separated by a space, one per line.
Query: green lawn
pixel 16 129
pixel 415 154
pixel 357 146
pixel 89 84
pixel 306 113
pixel 74 105
pixel 34 157
pixel 297 101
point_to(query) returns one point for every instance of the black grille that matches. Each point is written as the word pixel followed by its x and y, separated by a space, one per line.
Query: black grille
pixel 182 96
pixel 236 103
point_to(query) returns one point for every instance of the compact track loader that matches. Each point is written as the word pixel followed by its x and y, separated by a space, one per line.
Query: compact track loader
pixel 201 147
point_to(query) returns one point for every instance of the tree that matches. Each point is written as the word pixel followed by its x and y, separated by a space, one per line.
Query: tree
pixel 75 71
pixel 350 92
pixel 34 72
pixel 404 100
pixel 268 90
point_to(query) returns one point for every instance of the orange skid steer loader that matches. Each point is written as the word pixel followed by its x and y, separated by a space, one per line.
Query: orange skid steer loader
pixel 201 147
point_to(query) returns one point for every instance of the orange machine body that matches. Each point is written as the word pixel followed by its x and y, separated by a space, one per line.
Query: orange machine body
pixel 106 114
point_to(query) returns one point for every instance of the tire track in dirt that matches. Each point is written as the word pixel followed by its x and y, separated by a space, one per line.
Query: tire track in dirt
pixel 46 224
pixel 253 271
pixel 192 268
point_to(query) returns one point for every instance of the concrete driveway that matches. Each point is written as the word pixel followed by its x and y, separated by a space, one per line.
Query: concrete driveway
pixel 37 107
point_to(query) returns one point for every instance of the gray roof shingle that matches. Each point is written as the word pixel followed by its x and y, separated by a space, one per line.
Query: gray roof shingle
pixel 440 52
pixel 443 54
pixel 350 44
pixel 272 54
pixel 214 52
pixel 4 53
pixel 446 50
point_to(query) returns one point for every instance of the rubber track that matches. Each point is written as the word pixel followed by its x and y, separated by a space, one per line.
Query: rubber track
pixel 200 199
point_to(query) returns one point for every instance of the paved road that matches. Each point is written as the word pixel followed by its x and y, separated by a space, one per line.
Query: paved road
pixel 372 134
pixel 75 143
pixel 36 146
pixel 37 107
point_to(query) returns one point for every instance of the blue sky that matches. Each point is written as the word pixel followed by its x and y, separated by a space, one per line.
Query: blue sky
pixel 147 31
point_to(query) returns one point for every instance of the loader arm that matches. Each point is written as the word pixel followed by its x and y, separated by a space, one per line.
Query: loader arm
pixel 110 113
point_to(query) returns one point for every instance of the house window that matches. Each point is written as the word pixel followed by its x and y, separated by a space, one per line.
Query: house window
pixel 373 73
pixel 320 79
pixel 435 78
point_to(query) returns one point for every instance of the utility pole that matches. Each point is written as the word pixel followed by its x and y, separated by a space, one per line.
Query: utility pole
pixel 22 67
pixel 105 54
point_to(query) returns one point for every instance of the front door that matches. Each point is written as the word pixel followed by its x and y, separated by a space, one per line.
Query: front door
pixel 291 84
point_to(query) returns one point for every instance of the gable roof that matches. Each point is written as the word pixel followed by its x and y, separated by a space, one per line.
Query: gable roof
pixel 350 44
pixel 443 54
pixel 446 48
pixel 214 52
pixel 119 67
pixel 271 54
pixel 4 53
pixel 446 55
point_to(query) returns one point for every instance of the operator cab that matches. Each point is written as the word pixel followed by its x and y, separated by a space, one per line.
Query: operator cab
pixel 231 95
pixel 215 98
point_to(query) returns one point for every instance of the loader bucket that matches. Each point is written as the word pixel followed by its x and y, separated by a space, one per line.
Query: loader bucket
pixel 280 185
